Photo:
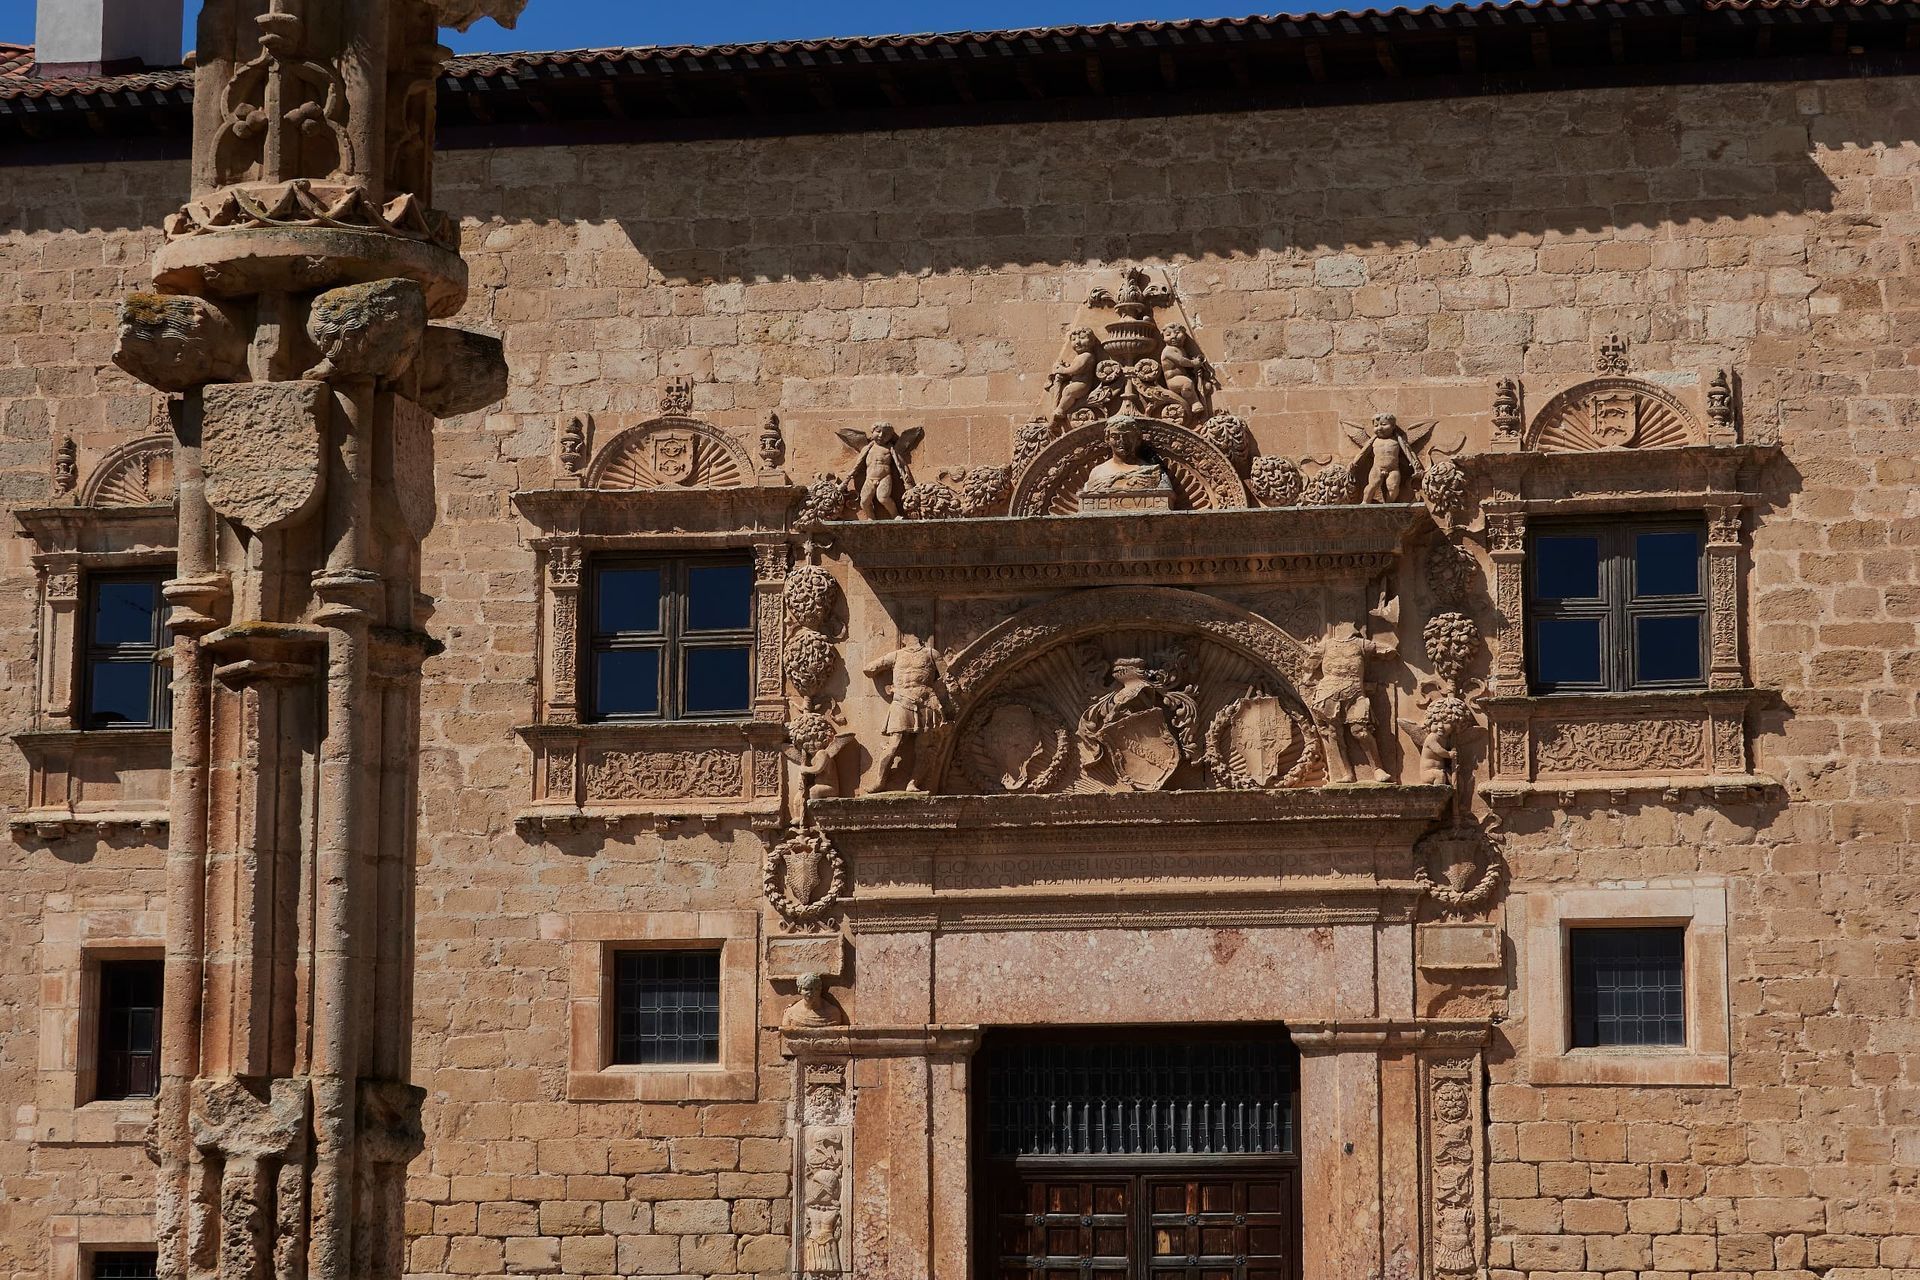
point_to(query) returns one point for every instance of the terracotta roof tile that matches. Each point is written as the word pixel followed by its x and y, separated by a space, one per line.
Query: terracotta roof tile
pixel 15 59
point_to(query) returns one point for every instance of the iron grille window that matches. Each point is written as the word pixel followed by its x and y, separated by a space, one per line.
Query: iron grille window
pixel 1629 986
pixel 1617 606
pixel 129 1029
pixel 128 657
pixel 672 639
pixel 666 1007
pixel 1175 1098
pixel 125 1266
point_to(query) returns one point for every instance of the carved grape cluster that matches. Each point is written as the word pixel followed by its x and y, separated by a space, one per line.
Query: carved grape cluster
pixel 826 499
pixel 1445 487
pixel 811 731
pixel 1275 481
pixel 1452 640
pixel 1229 433
pixel 809 595
pixel 809 661
pixel 1451 573
pixel 1331 486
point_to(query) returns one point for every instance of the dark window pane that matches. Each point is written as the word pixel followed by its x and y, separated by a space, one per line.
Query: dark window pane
pixel 125 1266
pixel 1629 986
pixel 1567 651
pixel 629 600
pixel 666 1007
pixel 1666 564
pixel 1666 648
pixel 626 682
pixel 129 1029
pixel 119 693
pixel 1566 568
pixel 719 597
pixel 126 612
pixel 718 680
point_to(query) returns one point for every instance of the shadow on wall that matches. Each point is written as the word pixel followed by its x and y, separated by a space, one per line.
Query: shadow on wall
pixel 1581 165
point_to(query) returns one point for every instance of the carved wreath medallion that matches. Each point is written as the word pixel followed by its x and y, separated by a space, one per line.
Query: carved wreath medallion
pixel 804 878
pixel 1250 740
pixel 1014 745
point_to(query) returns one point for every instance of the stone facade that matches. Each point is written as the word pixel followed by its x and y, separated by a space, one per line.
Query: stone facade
pixel 1332 264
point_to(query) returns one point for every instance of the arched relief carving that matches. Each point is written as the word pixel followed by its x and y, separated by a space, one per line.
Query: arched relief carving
pixel 1129 688
pixel 137 474
pixel 672 452
pixel 1613 412
pixel 1204 477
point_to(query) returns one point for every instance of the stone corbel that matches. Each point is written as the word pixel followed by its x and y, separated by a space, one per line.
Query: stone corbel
pixel 1507 548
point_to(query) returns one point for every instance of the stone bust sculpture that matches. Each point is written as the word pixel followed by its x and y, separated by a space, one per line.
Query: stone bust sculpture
pixel 1126 469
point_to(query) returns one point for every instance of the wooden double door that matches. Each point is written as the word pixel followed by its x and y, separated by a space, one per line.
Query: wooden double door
pixel 1116 1154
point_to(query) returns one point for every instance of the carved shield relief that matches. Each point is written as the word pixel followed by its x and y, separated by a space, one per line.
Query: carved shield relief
pixel 1142 749
pixel 673 455
pixel 1614 418
pixel 1254 737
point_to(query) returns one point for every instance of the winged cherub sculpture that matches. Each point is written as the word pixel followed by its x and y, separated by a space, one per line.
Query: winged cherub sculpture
pixel 881 476
pixel 1387 467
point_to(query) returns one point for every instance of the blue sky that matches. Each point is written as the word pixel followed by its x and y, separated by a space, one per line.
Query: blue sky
pixel 571 24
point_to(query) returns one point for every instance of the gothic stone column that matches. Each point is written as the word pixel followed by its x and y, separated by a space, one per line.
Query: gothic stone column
pixel 292 319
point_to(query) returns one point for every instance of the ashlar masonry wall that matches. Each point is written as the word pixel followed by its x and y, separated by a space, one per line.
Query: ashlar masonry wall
pixel 1335 262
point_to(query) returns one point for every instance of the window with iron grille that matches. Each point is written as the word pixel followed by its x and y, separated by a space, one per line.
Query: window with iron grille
pixel 1174 1097
pixel 129 1030
pixel 666 1007
pixel 671 639
pixel 128 656
pixel 1617 606
pixel 125 1265
pixel 1629 986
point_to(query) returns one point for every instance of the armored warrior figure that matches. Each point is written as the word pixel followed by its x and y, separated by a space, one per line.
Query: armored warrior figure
pixel 1342 703
pixel 1387 467
pixel 919 704
pixel 881 476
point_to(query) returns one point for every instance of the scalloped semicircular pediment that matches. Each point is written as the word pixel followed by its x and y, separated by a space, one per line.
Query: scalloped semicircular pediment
pixel 1613 413
pixel 1224 685
pixel 671 453
pixel 1204 478
pixel 137 474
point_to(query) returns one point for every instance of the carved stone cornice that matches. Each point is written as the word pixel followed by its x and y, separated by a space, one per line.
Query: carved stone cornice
pixel 924 1041
pixel 630 514
pixel 1387 1035
pixel 93 779
pixel 90 529
pixel 1019 554
pixel 1601 480
pixel 1318 856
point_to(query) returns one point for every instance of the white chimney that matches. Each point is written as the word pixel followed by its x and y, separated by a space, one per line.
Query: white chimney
pixel 95 37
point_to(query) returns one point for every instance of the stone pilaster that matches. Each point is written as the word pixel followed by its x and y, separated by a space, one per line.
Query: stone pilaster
pixel 296 294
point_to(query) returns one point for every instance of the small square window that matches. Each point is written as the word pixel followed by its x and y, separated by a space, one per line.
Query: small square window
pixel 129 1029
pixel 125 1265
pixel 1629 986
pixel 672 639
pixel 666 1007
pixel 128 657
pixel 1616 607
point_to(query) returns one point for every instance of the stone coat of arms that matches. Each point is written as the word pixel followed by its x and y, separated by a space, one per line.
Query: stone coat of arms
pixel 1143 727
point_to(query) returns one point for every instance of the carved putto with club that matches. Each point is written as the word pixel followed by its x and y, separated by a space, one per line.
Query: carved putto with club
pixel 1387 467
pixel 882 474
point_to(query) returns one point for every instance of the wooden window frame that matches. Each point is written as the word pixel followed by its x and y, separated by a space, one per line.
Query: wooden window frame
pixel 673 640
pixel 98 965
pixel 157 654
pixel 1615 607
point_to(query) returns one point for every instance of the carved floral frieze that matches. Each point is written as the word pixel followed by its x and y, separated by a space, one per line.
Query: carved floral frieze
pixel 615 771
pixel 1610 742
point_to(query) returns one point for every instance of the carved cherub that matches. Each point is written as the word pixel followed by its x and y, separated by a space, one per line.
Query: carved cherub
pixel 820 768
pixel 881 476
pixel 1073 379
pixel 919 704
pixel 1388 465
pixel 1185 372
pixel 1341 702
pixel 1449 722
